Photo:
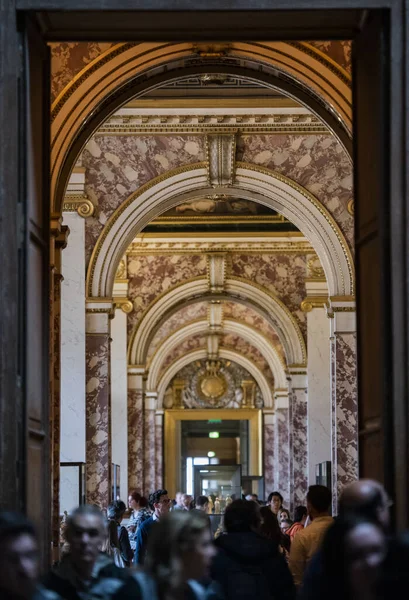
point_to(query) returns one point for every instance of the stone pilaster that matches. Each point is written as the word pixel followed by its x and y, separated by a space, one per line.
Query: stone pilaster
pixel 319 392
pixel 98 403
pixel 298 415
pixel 282 445
pixel 150 442
pixel 159 449
pixel 344 401
pixel 135 428
pixel 268 430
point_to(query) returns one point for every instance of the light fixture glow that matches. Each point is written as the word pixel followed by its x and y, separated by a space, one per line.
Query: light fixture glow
pixel 211 454
pixel 214 435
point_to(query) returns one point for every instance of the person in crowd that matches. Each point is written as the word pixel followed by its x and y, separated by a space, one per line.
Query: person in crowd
pixel 270 529
pixel 179 501
pixel 275 501
pixel 307 542
pixel 187 500
pixel 115 513
pixel 394 575
pixel 285 526
pixel 248 565
pixel 353 551
pixel 140 513
pixel 20 560
pixel 284 515
pixel 86 573
pixel 364 498
pixel 300 516
pixel 251 497
pixel 159 503
pixel 179 557
pixel 110 545
pixel 202 503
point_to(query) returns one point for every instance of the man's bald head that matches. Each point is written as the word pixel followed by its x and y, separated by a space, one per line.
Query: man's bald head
pixel 366 498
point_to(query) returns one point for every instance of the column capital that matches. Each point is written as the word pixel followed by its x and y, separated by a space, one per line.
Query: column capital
pixel 98 312
pixel 136 370
pixel 269 417
pixel 281 402
pixel 343 312
pixel 298 376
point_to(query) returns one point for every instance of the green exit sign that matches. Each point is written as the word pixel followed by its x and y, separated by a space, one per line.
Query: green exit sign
pixel 214 434
pixel 214 421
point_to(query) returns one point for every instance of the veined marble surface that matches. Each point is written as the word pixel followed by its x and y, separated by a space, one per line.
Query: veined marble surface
pixel 119 399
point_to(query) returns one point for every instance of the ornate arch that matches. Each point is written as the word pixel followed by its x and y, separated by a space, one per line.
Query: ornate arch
pixel 128 70
pixel 225 353
pixel 252 183
pixel 260 299
pixel 229 326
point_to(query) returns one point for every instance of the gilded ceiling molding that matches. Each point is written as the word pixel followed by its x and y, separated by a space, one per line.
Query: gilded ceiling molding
pixel 243 330
pixel 236 290
pixel 104 81
pixel 216 272
pixel 311 302
pixel 252 183
pixel 226 354
pixel 221 159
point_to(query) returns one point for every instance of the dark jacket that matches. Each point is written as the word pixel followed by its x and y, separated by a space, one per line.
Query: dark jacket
pixel 249 567
pixel 124 545
pixel 105 581
pixel 142 536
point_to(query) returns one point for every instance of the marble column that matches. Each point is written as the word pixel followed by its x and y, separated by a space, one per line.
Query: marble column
pixel 282 446
pixel 59 235
pixel 159 449
pixel 268 431
pixel 98 409
pixel 135 428
pixel 298 436
pixel 150 403
pixel 344 408
pixel 73 370
pixel 119 398
pixel 318 370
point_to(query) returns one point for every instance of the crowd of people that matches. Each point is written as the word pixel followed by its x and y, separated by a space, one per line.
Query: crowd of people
pixel 166 550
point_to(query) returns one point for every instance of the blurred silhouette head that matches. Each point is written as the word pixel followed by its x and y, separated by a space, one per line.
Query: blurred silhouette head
pixel 242 516
pixel 368 499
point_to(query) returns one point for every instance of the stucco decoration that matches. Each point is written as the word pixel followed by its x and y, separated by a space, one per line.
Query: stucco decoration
pixel 284 275
pixel 234 374
pixel 317 162
pixel 69 58
pixel 187 345
pixel 150 276
pixel 186 314
pixel 116 166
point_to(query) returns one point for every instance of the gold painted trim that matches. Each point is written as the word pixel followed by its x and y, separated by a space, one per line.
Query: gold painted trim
pixel 314 302
pixel 124 304
pixel 230 234
pixel 193 220
pixel 343 309
pixel 214 103
pixel 172 419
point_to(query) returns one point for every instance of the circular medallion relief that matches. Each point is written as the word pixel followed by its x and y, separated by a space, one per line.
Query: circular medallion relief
pixel 213 386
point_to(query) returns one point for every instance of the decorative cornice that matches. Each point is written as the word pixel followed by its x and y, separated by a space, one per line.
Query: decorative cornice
pixel 80 204
pixel 204 247
pixel 311 302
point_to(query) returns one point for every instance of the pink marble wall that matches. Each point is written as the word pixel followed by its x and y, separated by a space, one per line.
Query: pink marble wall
pixel 98 430
pixel 135 440
pixel 240 312
pixel 338 50
pixel 283 274
pixel 238 344
pixel 149 442
pixel 69 58
pixel 269 471
pixel 152 275
pixel 317 162
pixel 159 452
pixel 188 345
pixel 344 413
pixel 118 165
pixel 185 315
pixel 282 454
pixel 298 447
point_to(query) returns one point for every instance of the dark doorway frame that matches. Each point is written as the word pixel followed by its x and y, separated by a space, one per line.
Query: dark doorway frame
pixel 381 63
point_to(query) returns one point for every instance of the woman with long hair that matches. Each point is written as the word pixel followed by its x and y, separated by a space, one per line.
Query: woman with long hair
pixel 270 529
pixel 110 547
pixel 180 551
